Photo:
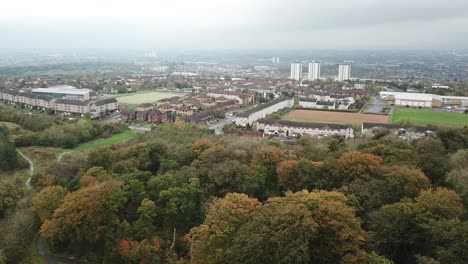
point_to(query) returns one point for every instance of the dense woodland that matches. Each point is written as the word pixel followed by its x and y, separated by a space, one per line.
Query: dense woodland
pixel 180 194
pixel 55 131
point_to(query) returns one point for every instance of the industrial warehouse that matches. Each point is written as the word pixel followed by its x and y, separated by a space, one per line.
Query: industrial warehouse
pixel 422 100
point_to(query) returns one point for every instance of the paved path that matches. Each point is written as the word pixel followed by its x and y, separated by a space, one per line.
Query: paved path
pixel 31 168
pixel 46 256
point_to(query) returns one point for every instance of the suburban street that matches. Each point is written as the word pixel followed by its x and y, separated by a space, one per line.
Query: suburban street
pixel 218 127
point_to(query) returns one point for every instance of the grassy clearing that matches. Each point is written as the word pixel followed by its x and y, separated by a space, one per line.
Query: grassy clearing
pixel 428 117
pixel 127 134
pixel 146 97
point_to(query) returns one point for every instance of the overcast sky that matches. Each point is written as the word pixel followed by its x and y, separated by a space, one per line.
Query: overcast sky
pixel 32 25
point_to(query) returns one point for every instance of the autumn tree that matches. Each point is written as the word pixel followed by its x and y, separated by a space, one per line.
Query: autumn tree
pixel 211 240
pixel 86 217
pixel 147 251
pixel 47 200
pixel 227 176
pixel 276 233
pixel 355 164
pixel 287 172
pixel 261 182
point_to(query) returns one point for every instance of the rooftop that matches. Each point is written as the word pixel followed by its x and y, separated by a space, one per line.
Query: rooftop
pixel 62 89
pixel 264 106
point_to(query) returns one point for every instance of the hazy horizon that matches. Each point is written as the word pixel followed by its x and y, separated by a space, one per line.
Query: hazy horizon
pixel 52 25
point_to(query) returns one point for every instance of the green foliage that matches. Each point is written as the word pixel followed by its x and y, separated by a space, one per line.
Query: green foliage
pixel 183 205
pixel 11 191
pixel 8 157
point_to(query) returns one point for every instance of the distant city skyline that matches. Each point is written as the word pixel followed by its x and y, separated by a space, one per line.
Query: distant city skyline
pixel 27 25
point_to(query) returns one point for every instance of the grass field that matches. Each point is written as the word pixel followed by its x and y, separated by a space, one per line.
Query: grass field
pixel 428 117
pixel 127 134
pixel 146 97
pixel 334 117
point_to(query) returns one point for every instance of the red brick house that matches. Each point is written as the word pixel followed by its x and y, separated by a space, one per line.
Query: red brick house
pixel 141 116
pixel 156 116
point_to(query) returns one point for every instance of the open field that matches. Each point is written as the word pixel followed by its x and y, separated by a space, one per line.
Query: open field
pixel 127 134
pixel 145 97
pixel 428 117
pixel 334 117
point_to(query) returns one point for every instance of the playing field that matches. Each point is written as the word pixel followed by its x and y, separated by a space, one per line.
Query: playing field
pixel 334 117
pixel 148 97
pixel 428 117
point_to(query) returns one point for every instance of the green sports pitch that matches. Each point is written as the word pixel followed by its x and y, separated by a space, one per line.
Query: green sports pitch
pixel 426 117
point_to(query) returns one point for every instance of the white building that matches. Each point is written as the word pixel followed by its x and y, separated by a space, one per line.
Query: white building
pixel 287 128
pixel 344 72
pixel 250 116
pixel 409 99
pixel 65 92
pixel 296 71
pixel 316 104
pixel 314 71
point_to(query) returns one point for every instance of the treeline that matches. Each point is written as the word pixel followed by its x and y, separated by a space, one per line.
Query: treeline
pixel 54 131
pixel 9 159
pixel 36 122
pixel 181 195
pixel 68 135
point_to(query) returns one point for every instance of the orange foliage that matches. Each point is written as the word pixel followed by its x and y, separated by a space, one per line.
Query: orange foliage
pixel 87 181
pixel 287 174
pixel 356 164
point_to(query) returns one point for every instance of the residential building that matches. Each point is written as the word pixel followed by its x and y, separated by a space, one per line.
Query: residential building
pixel 72 106
pixel 287 128
pixel 145 107
pixel 67 106
pixel 250 116
pixel 156 116
pixel 243 99
pixel 314 71
pixel 344 72
pixel 296 71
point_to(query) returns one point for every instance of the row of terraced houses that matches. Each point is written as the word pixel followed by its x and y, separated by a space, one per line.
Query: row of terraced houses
pixel 58 102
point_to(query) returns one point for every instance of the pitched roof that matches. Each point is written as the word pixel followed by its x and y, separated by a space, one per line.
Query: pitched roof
pixel 288 123
pixel 419 129
pixel 263 106
pixel 105 101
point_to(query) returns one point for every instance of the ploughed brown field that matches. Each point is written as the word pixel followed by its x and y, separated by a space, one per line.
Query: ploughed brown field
pixel 334 117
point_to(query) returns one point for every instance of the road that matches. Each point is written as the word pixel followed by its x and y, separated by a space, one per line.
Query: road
pixel 376 106
pixel 218 127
